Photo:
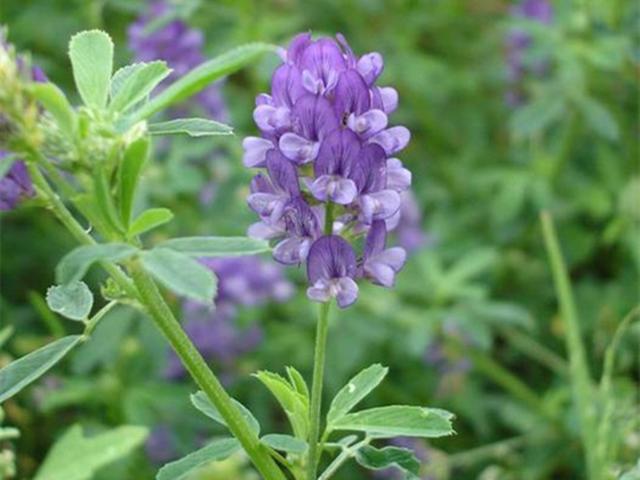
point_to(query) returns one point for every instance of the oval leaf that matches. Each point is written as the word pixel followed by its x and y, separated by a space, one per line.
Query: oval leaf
pixel 379 459
pixel 353 392
pixel 135 156
pixel 202 403
pixel 134 84
pixel 202 76
pixel 91 54
pixel 217 246
pixel 149 219
pixel 73 300
pixel 285 443
pixel 181 274
pixel 17 375
pixel 183 468
pixel 398 420
pixel 194 127
pixel 75 264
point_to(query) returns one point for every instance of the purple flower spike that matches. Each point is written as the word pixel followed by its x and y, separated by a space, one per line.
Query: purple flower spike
pixel 325 141
pixel 331 268
pixel 15 185
pixel 380 263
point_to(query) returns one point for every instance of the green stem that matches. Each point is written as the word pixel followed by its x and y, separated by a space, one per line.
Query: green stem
pixel 316 389
pixel 345 455
pixel 92 323
pixel 204 377
pixel 582 388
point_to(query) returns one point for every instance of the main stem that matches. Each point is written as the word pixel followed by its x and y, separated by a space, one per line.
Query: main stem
pixel 316 389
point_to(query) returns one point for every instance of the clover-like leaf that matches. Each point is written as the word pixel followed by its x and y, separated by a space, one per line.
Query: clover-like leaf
pixel 71 300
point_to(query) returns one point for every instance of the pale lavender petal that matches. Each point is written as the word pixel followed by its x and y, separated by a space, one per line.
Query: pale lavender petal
pixel 298 149
pixel 292 251
pixel 255 151
pixel 320 291
pixel 347 292
pixel 335 188
pixel 379 205
pixel 398 177
pixel 376 239
pixel 370 66
pixel 389 98
pixel 265 231
pixel 270 119
pixel 392 139
pixel 369 123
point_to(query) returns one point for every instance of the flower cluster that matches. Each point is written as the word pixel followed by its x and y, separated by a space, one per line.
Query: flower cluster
pixel 242 281
pixel 331 175
pixel 157 34
pixel 518 43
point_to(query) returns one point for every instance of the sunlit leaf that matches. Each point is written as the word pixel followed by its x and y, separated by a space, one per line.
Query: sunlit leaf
pixel 353 392
pixel 91 54
pixel 72 300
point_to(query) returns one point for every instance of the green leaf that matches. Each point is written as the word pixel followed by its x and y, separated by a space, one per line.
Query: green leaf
pixel 599 118
pixel 149 219
pixel 183 468
pixel 216 246
pixel 135 156
pixel 56 103
pixel 353 392
pixel 202 403
pixel 105 199
pixel 134 84
pixel 17 375
pixel 194 127
pixel 534 117
pixel 379 459
pixel 73 300
pixel 91 54
pixel 285 443
pixel 74 265
pixel 296 379
pixel 295 405
pixel 5 334
pixel 398 420
pixel 203 75
pixel 181 274
pixel 76 457
pixel 6 163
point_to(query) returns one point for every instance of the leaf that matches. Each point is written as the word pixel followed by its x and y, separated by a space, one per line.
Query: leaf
pixel 135 156
pixel 120 77
pixel 183 468
pixel 181 274
pixel 91 54
pixel 194 127
pixel 379 459
pixel 149 219
pixel 599 118
pixel 76 457
pixel 285 443
pixel 398 420
pixel 56 103
pixel 353 392
pixel 534 117
pixel 105 199
pixel 73 300
pixel 136 84
pixel 295 405
pixel 202 403
pixel 296 379
pixel 20 373
pixel 74 265
pixel 216 246
pixel 202 76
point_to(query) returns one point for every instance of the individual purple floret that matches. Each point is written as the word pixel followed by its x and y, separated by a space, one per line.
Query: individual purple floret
pixel 329 151
pixel 15 185
pixel 518 43
pixel 159 35
pixel 408 229
pixel 242 281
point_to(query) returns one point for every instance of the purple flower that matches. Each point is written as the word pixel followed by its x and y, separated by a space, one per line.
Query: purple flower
pixel 331 269
pixel 325 141
pixel 160 445
pixel 158 35
pixel 408 226
pixel 15 185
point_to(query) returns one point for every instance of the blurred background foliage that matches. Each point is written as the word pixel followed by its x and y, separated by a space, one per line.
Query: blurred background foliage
pixel 473 324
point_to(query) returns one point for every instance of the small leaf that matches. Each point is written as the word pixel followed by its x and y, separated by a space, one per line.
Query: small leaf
pixel 134 84
pixel 194 127
pixel 91 54
pixel 285 443
pixel 353 392
pixel 74 265
pixel 181 274
pixel 379 459
pixel 534 117
pixel 149 219
pixel 56 103
pixel 295 405
pixel 135 156
pixel 183 468
pixel 202 76
pixel 398 420
pixel 216 246
pixel 105 199
pixel 296 379
pixel 76 457
pixel 202 403
pixel 599 118
pixel 20 373
pixel 73 300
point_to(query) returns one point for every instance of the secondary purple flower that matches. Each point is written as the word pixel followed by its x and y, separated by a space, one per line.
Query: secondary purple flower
pixel 160 445
pixel 326 143
pixel 15 185
pixel 159 35
pixel 331 269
